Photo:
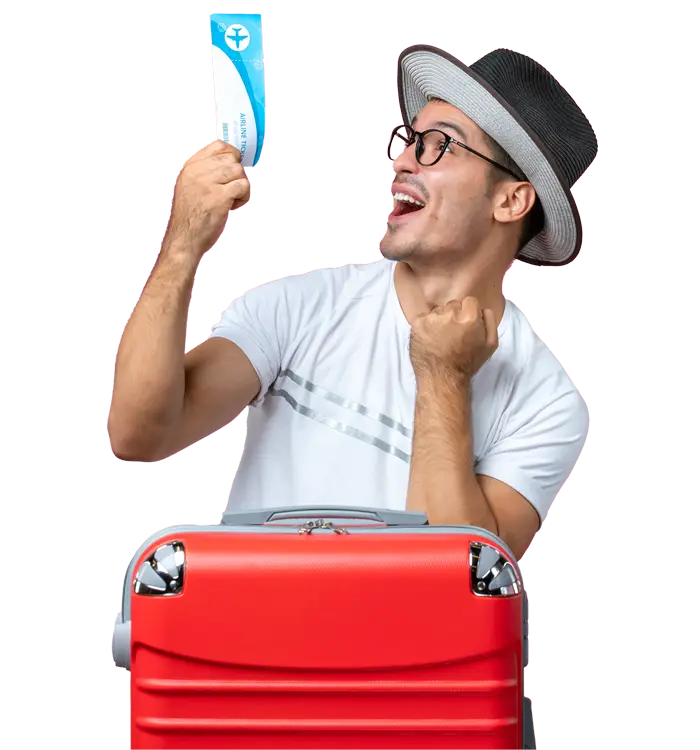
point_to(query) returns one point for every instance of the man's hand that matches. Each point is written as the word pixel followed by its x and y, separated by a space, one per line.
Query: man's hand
pixel 457 338
pixel 211 183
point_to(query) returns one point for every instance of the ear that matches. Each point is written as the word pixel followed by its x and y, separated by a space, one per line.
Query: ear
pixel 512 201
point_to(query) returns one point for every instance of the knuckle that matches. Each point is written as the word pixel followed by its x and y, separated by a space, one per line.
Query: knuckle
pixel 226 173
pixel 222 146
pixel 230 151
pixel 229 166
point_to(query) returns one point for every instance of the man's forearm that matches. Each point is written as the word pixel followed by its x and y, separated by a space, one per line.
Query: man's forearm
pixel 149 377
pixel 442 482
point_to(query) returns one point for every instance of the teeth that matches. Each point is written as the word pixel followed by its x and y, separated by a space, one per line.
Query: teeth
pixel 403 198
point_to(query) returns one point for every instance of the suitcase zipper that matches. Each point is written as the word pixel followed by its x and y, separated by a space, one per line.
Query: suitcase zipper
pixel 319 523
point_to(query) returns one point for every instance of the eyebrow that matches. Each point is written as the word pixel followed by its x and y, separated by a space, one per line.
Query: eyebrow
pixel 445 124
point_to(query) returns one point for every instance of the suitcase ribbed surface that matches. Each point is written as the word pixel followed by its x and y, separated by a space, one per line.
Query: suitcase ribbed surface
pixel 326 641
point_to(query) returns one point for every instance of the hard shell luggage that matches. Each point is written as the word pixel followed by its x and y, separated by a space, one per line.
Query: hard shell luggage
pixel 325 628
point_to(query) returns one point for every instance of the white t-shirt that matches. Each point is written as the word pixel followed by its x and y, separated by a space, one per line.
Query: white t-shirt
pixel 333 422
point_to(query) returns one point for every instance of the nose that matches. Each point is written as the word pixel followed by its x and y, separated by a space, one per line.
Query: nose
pixel 406 161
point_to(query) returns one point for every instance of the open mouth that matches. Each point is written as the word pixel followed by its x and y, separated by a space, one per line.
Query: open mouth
pixel 405 205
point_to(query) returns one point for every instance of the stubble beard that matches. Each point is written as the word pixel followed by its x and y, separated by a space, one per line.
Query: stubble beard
pixel 392 248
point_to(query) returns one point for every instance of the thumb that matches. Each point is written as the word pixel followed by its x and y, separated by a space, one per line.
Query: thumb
pixel 491 328
pixel 420 319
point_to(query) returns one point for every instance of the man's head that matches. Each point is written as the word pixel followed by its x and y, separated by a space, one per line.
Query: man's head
pixel 472 208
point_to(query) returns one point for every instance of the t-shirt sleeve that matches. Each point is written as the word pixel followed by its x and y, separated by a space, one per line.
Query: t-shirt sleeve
pixel 266 321
pixel 256 322
pixel 540 446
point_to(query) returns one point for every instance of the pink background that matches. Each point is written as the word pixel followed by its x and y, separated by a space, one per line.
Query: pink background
pixel 612 579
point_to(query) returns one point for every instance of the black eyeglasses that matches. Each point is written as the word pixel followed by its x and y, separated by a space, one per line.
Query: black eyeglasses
pixel 431 146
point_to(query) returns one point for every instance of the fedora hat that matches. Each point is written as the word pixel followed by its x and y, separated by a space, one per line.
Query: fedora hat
pixel 528 113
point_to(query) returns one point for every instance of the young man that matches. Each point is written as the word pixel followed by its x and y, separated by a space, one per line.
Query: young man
pixel 405 383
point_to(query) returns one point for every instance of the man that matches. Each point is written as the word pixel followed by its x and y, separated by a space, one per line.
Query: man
pixel 405 383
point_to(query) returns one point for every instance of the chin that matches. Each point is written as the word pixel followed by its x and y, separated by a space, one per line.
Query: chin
pixel 395 247
pixel 388 252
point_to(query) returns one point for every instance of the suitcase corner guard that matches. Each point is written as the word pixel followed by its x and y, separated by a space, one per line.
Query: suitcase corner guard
pixel 161 574
pixel 121 642
pixel 492 573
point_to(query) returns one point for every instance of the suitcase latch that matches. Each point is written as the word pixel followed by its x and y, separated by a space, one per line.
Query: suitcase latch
pixel 319 523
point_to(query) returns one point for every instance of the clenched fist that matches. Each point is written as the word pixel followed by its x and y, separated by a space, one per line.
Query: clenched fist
pixel 211 183
pixel 458 337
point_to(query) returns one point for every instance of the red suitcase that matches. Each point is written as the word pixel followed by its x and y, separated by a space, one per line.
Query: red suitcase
pixel 325 628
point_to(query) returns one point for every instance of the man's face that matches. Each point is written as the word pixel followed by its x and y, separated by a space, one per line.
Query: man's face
pixel 458 210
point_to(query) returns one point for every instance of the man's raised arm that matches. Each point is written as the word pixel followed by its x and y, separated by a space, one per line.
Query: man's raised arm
pixel 164 400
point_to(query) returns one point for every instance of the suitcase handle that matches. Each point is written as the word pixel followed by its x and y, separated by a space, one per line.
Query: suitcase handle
pixel 290 513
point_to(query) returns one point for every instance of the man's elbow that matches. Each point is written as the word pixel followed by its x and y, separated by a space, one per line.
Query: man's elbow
pixel 129 452
pixel 128 445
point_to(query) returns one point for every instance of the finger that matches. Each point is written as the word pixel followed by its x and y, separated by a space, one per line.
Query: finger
pixel 454 305
pixel 217 147
pixel 238 192
pixel 419 319
pixel 418 324
pixel 225 173
pixel 470 304
pixel 214 148
pixel 489 317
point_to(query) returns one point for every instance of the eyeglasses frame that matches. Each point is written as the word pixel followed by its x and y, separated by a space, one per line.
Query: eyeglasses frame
pixel 418 136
